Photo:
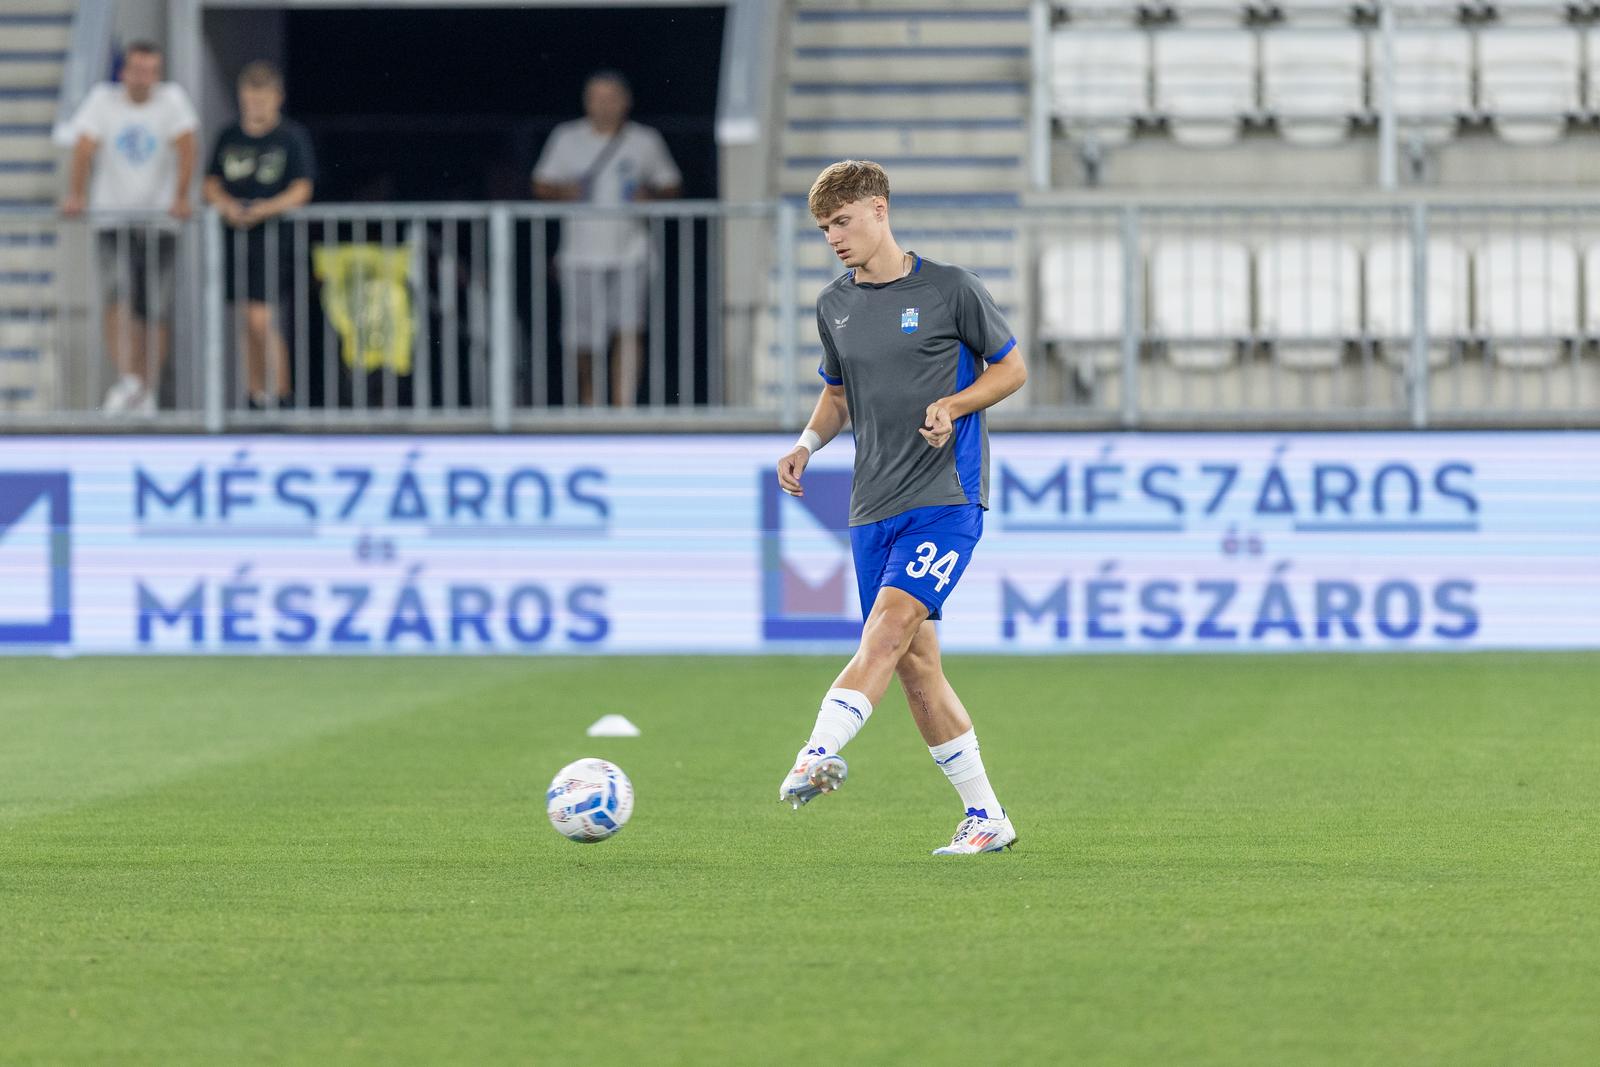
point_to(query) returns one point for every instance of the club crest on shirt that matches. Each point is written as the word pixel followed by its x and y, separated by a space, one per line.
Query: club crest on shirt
pixel 908 320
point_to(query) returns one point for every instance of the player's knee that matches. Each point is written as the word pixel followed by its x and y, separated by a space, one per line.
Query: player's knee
pixel 890 633
pixel 917 669
pixel 882 642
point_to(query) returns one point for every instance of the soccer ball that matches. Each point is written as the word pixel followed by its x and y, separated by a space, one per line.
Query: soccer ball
pixel 589 800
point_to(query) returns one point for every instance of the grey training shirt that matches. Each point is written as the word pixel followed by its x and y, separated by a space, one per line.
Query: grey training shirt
pixel 896 347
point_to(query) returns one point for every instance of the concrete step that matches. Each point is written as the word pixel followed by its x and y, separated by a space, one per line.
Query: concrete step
pixel 30 103
pixel 25 36
pixel 952 63
pixel 10 128
pixel 26 143
pixel 970 29
pixel 37 111
pixel 928 100
pixel 26 259
pixel 820 139
pixel 27 181
pixel 24 68
pixel 39 10
pixel 24 330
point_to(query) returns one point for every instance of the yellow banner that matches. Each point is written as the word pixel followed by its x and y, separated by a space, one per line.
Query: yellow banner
pixel 367 297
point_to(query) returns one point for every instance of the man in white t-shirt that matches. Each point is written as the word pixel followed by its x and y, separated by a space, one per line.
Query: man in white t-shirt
pixel 138 137
pixel 605 160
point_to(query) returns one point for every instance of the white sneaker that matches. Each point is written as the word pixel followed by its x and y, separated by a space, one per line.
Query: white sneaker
pixel 123 394
pixel 814 774
pixel 146 404
pixel 979 834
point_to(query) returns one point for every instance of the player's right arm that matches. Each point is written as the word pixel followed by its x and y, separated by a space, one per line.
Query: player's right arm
pixel 830 416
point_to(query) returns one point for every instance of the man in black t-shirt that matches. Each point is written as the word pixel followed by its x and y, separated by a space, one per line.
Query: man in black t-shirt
pixel 261 167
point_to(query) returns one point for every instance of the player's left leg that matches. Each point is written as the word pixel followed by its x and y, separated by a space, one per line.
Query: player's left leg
pixel 947 729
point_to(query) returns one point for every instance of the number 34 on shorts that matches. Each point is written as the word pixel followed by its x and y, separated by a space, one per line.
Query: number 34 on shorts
pixel 941 568
pixel 922 552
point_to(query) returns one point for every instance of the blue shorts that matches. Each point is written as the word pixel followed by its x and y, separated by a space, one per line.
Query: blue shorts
pixel 922 551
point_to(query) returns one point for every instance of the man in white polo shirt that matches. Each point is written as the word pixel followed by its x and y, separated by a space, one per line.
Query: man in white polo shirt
pixel 605 160
pixel 138 138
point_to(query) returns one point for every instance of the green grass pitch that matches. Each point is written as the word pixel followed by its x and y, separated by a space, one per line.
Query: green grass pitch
pixel 1224 860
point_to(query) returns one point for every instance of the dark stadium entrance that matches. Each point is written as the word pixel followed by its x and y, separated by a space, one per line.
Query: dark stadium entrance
pixel 408 104
pixel 411 105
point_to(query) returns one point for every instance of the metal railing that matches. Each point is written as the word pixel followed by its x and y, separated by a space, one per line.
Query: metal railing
pixel 1379 311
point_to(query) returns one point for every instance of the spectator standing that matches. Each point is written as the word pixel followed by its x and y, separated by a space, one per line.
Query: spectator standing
pixel 137 137
pixel 261 166
pixel 605 160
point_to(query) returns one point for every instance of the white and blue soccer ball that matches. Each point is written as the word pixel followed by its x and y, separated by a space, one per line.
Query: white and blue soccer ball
pixel 590 800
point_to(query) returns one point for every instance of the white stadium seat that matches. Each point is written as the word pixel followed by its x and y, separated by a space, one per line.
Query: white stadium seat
pixel 1325 12
pixel 1080 297
pixel 1309 289
pixel 1432 78
pixel 1527 297
pixel 1528 81
pixel 1100 80
pixel 1312 81
pixel 1542 10
pixel 1205 82
pixel 1390 299
pixel 1200 299
pixel 1103 11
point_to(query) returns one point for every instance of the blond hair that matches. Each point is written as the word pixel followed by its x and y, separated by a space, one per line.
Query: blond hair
pixel 845 182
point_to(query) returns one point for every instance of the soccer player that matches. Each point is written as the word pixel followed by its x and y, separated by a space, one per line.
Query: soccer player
pixel 914 351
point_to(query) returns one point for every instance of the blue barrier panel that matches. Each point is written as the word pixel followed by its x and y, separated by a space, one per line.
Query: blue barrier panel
pixel 1110 542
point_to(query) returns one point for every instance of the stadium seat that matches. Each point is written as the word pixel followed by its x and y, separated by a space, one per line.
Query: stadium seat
pixel 1199 300
pixel 1202 12
pixel 1312 82
pixel 1080 298
pixel 1324 12
pixel 1309 288
pixel 1432 79
pixel 1100 81
pixel 1528 81
pixel 1390 299
pixel 1108 12
pixel 1205 83
pixel 1526 289
pixel 1542 10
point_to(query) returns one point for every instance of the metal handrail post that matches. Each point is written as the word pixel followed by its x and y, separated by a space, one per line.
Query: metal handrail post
pixel 1132 316
pixel 1388 135
pixel 1417 377
pixel 214 366
pixel 502 312
pixel 1039 54
pixel 787 219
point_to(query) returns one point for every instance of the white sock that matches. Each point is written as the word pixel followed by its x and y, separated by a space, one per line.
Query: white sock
pixel 843 713
pixel 963 765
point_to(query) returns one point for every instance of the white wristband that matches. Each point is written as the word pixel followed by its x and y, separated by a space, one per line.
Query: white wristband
pixel 809 440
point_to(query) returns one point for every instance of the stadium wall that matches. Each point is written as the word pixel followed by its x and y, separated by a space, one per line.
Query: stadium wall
pixel 596 544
